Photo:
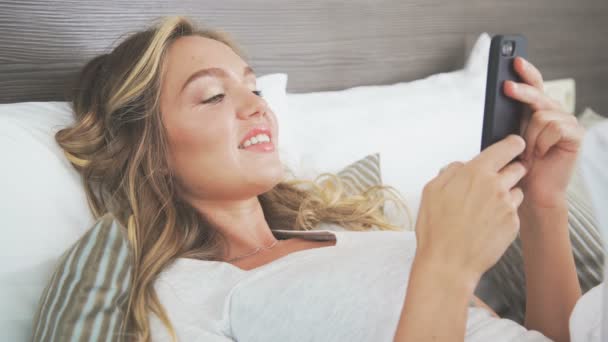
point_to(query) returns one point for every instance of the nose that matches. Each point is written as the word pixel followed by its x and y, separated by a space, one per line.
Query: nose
pixel 251 104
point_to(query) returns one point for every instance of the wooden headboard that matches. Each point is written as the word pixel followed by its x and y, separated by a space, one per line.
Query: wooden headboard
pixel 321 44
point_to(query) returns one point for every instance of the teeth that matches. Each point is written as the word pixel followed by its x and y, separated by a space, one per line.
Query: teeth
pixel 260 138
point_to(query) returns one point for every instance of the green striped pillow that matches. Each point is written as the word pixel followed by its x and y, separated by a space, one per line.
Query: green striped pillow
pixel 87 294
pixel 360 175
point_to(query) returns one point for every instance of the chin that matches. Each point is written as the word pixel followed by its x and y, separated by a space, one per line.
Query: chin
pixel 272 178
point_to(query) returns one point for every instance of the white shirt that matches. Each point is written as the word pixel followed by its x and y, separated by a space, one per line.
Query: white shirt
pixel 353 291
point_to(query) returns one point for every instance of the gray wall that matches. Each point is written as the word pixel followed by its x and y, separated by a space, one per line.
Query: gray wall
pixel 321 44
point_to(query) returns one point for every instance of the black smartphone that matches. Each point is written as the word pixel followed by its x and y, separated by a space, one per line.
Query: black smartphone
pixel 502 114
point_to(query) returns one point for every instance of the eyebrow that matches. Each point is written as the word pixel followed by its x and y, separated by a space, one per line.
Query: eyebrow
pixel 214 72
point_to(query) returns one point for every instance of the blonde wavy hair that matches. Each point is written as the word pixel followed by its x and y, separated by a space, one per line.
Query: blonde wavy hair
pixel 119 146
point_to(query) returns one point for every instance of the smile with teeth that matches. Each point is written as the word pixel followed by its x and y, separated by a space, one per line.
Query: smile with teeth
pixel 258 139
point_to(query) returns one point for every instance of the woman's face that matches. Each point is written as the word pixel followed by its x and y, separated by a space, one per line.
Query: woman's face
pixel 210 109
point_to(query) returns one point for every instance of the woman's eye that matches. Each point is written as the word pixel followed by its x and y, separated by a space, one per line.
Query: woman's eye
pixel 219 97
pixel 213 99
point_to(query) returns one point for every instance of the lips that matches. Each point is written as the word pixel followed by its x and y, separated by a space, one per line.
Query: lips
pixel 255 131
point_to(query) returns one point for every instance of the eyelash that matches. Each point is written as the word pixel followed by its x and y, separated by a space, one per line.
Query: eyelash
pixel 218 97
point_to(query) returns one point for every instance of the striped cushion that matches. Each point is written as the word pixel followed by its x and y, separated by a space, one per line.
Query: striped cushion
pixel 360 175
pixel 506 279
pixel 87 293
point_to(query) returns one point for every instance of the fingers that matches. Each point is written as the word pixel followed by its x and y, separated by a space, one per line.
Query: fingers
pixel 530 95
pixel 450 168
pixel 551 121
pixel 568 136
pixel 517 197
pixel 512 174
pixel 446 172
pixel 528 72
pixel 499 154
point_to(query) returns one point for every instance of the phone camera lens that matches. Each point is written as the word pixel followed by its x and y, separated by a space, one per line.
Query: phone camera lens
pixel 507 48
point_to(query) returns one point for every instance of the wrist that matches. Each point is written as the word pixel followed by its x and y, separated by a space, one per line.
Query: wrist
pixel 534 218
pixel 529 211
pixel 457 277
pixel 558 202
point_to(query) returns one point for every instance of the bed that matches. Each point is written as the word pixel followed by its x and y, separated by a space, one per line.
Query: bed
pixel 324 47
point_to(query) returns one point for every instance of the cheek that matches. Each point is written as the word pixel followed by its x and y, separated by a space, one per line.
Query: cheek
pixel 192 135
pixel 199 140
pixel 275 122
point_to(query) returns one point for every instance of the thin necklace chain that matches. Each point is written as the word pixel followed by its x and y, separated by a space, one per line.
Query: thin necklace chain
pixel 255 251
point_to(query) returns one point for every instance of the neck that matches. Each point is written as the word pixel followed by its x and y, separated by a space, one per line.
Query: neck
pixel 242 222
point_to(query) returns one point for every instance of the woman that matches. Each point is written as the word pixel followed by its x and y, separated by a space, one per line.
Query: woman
pixel 174 139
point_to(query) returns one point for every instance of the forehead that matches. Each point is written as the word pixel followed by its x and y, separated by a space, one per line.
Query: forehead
pixel 189 54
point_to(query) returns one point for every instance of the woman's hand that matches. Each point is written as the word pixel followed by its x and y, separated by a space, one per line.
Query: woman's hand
pixel 467 219
pixel 553 138
pixel 468 213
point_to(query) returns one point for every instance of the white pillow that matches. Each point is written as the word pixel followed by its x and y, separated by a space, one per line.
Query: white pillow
pixel 591 311
pixel 563 91
pixel 43 205
pixel 593 161
pixel 417 127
